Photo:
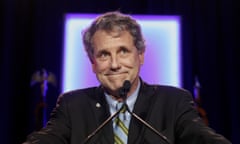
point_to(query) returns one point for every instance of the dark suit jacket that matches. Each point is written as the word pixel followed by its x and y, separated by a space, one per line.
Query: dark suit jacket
pixel 168 109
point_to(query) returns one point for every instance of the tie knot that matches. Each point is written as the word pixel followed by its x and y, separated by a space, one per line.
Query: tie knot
pixel 122 107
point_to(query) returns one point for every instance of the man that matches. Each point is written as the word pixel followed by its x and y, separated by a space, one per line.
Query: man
pixel 115 46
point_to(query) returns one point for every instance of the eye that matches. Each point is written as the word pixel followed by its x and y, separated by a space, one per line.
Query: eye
pixel 103 55
pixel 124 50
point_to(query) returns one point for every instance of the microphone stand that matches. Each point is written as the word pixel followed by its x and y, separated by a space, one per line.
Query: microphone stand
pixel 147 124
pixel 123 93
pixel 89 137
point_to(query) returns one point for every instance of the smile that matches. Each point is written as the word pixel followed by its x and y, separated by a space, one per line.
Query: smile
pixel 113 74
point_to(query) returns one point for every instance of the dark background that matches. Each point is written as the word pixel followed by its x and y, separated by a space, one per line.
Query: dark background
pixel 32 39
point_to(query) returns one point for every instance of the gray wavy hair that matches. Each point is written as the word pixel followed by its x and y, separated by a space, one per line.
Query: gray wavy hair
pixel 109 22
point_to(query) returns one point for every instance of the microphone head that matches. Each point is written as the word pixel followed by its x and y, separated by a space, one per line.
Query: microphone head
pixel 127 85
pixel 125 89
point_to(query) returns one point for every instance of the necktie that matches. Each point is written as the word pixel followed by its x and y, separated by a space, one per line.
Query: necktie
pixel 120 128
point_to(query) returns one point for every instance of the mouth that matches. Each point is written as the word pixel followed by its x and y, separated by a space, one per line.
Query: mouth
pixel 115 73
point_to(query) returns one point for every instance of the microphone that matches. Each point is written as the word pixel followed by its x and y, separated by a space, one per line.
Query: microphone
pixel 123 91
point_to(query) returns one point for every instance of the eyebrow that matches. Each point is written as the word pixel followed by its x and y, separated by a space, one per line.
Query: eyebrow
pixel 101 51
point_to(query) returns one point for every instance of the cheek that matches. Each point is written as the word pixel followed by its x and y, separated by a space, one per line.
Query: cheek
pixel 131 61
pixel 137 60
pixel 98 67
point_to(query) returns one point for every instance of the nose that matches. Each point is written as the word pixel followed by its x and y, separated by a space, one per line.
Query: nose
pixel 115 63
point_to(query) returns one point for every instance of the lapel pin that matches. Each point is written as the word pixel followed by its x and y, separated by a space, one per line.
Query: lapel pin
pixel 98 105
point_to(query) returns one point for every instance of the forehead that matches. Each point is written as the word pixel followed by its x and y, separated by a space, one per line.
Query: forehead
pixel 112 41
pixel 116 32
pixel 102 37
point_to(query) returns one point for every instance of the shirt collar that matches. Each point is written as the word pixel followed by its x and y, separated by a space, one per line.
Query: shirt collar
pixel 130 100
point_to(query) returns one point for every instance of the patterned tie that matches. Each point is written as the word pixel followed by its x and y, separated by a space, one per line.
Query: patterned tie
pixel 120 129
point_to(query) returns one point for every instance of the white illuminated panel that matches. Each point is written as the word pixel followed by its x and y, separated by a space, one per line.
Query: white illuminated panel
pixel 162 57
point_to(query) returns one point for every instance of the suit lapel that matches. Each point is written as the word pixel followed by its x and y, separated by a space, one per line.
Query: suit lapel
pixel 101 112
pixel 142 109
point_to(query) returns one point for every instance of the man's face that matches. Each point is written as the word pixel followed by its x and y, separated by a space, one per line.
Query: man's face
pixel 116 59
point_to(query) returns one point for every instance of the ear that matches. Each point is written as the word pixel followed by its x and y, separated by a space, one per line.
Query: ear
pixel 141 57
pixel 94 67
